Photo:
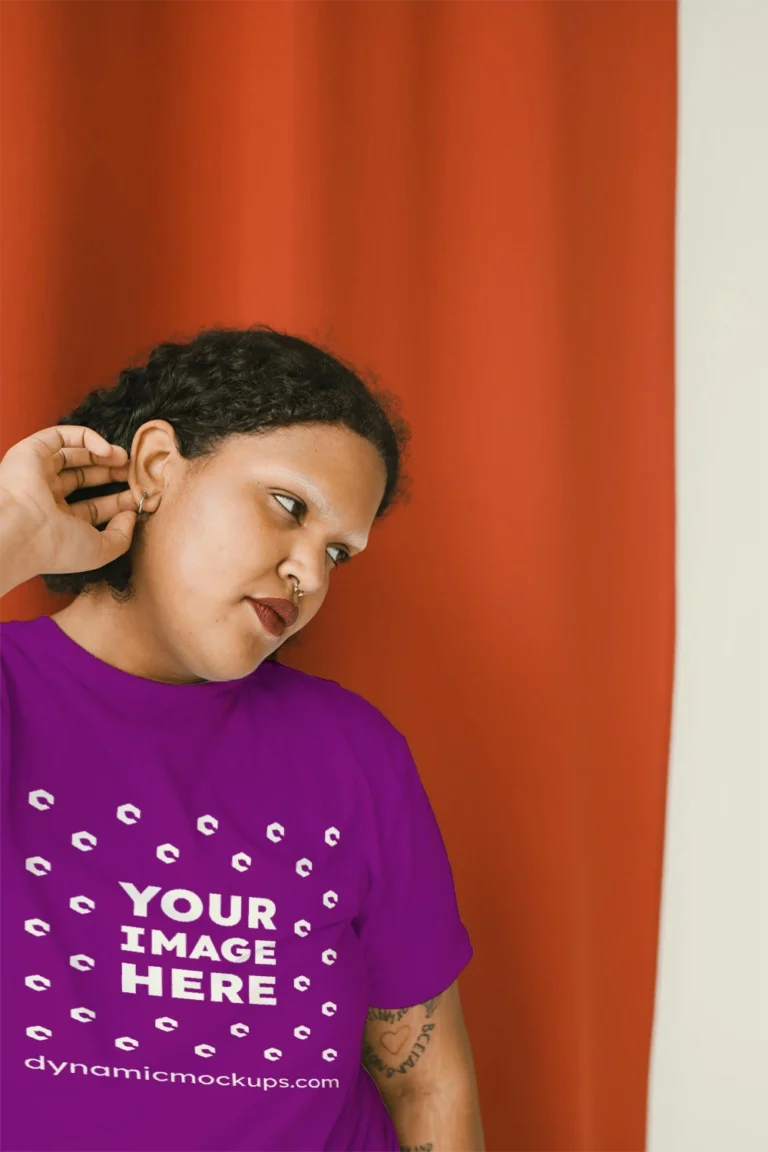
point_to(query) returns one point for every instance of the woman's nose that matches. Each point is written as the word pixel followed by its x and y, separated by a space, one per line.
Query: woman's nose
pixel 309 573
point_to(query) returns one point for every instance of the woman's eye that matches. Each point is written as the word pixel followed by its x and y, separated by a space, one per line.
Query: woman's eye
pixel 343 557
pixel 293 500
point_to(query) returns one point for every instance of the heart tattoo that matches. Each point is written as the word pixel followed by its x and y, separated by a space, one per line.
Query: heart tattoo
pixel 393 1041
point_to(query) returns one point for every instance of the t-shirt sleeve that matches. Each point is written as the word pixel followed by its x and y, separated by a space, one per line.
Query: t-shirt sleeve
pixel 410 927
pixel 5 726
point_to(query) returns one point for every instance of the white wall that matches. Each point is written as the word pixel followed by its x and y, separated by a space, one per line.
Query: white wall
pixel 709 1066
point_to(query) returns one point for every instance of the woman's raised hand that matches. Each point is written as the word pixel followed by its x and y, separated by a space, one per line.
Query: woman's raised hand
pixel 39 531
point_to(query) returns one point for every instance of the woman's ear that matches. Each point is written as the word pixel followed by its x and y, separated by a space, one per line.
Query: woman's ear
pixel 154 457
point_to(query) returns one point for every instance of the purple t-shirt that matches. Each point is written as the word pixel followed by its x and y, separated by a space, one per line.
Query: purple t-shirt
pixel 204 888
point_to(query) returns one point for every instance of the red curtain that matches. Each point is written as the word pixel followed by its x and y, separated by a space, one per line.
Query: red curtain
pixel 475 200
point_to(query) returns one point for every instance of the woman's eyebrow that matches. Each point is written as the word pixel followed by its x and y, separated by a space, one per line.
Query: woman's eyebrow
pixel 321 505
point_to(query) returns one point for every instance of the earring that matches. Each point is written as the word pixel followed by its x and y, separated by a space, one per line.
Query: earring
pixel 143 497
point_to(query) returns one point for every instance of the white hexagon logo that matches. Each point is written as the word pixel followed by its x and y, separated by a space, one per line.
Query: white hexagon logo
pixel 273 1054
pixel 275 832
pixel 37 865
pixel 37 983
pixel 36 927
pixel 241 861
pixel 302 927
pixel 85 841
pixel 330 1054
pixel 127 1043
pixel 207 825
pixel 301 1032
pixel 128 813
pixel 332 836
pixel 303 866
pixel 329 956
pixel 206 1050
pixel 82 962
pixel 82 904
pixel 39 1033
pixel 239 1029
pixel 41 799
pixel 301 983
pixel 166 1023
pixel 329 1008
pixel 84 1015
pixel 330 898
pixel 168 853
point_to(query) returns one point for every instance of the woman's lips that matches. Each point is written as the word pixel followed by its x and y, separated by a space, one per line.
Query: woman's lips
pixel 285 609
pixel 269 618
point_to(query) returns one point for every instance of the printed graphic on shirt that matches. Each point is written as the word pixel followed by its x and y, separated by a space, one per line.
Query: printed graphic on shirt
pixel 205 967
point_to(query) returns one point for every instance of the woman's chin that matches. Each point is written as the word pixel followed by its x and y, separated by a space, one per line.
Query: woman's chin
pixel 239 661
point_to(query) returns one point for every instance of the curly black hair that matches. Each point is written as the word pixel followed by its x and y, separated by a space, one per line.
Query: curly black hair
pixel 226 381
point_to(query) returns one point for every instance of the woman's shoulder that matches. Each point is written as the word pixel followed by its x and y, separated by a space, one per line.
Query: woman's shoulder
pixel 20 627
pixel 331 694
pixel 18 636
pixel 19 651
pixel 339 705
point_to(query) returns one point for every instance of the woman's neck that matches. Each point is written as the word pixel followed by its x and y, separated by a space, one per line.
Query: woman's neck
pixel 122 635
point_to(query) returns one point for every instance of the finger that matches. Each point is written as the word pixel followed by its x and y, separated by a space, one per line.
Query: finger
pixel 104 507
pixel 90 476
pixel 116 537
pixel 78 436
pixel 75 458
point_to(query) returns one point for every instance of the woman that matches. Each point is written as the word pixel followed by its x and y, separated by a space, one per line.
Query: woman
pixel 218 872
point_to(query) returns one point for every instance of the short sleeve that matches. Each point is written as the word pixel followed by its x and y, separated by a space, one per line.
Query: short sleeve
pixel 410 927
pixel 5 723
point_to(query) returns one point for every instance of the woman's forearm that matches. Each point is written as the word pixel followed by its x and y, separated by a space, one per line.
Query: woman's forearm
pixel 16 561
pixel 446 1120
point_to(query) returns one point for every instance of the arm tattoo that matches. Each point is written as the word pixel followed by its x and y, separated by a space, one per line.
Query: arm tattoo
pixel 397 1041
pixel 395 1014
pixel 418 1148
